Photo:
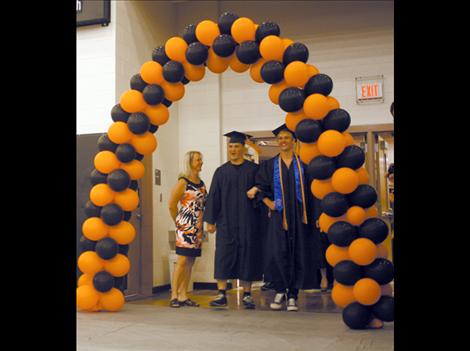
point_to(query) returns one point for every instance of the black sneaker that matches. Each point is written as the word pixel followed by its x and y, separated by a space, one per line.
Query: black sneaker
pixel 220 301
pixel 248 302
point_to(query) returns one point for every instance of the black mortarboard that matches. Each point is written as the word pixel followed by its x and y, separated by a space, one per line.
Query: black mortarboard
pixel 282 128
pixel 237 137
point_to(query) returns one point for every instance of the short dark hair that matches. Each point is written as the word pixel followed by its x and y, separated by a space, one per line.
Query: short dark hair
pixel 391 107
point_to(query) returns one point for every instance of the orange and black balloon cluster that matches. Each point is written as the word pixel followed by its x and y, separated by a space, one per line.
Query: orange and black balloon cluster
pixel 349 217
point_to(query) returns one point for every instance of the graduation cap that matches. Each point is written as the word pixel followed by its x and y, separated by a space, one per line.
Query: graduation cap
pixel 237 137
pixel 283 128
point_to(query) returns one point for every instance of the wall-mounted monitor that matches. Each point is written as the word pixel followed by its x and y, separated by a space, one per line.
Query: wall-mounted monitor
pixel 93 12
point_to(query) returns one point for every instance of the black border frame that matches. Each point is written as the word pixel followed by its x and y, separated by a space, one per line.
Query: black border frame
pixel 104 21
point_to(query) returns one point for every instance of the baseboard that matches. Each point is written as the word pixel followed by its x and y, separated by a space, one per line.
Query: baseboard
pixel 208 286
pixel 157 289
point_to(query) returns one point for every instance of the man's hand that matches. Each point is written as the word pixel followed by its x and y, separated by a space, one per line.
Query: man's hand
pixel 252 192
pixel 211 228
pixel 270 204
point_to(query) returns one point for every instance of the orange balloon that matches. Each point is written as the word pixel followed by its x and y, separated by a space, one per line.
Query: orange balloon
pixel 308 152
pixel 331 143
pixel 326 221
pixel 135 169
pixel 275 90
pixel 145 143
pixel 124 233
pixel 271 48
pixel 127 199
pixel 94 228
pixel 152 72
pixel 175 49
pixel 119 133
pixel 243 29
pixel 296 75
pixel 255 70
pixel 194 73
pixel 286 42
pixel 236 65
pixel 132 101
pixel 312 71
pixel 106 161
pixel 387 289
pixel 158 114
pixel 316 106
pixel 207 31
pixel 217 64
pixel 112 300
pixel 101 195
pixel 362 251
pixel 335 254
pixel 382 251
pixel 87 297
pixel 367 291
pixel 363 175
pixel 333 104
pixel 342 295
pixel 345 180
pixel 173 91
pixel 294 118
pixel 356 215
pixel 89 262
pixel 321 188
pixel 118 266
pixel 348 138
pixel 372 212
pixel 85 279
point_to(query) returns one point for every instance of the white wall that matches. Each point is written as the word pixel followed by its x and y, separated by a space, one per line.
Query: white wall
pixel 96 71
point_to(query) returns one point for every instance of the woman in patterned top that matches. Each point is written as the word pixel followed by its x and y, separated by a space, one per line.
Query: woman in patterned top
pixel 190 192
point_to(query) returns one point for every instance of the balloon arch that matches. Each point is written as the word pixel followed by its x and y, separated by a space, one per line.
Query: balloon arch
pixel 357 252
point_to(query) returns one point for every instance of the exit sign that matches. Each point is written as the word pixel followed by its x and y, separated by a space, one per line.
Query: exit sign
pixel 369 89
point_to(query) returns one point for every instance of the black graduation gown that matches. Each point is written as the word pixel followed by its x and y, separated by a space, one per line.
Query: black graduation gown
pixel 293 257
pixel 238 238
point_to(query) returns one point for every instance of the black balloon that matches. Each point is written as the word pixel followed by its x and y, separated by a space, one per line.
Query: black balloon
pixel 138 123
pixel 125 153
pixel 334 204
pixel 106 248
pixel 291 99
pixel 337 119
pixel 87 244
pixel 272 72
pixel 105 144
pixel 381 270
pixel 134 185
pixel 173 71
pixel 352 156
pixel 185 80
pixel 197 53
pixel 308 131
pixel 137 83
pixel 123 249
pixel 153 94
pixel 295 52
pixel 364 196
pixel 118 114
pixel 224 45
pixel 112 214
pixel 127 216
pixel 319 84
pixel 248 52
pixel 153 128
pixel 384 309
pixel 120 283
pixel 103 281
pixel 357 316
pixel 159 55
pixel 374 229
pixel 138 156
pixel 119 180
pixel 265 29
pixel 321 167
pixel 96 177
pixel 347 272
pixel 342 233
pixel 189 34
pixel 225 22
pixel 91 210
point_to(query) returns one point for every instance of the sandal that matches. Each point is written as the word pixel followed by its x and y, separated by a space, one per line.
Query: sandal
pixel 188 302
pixel 174 303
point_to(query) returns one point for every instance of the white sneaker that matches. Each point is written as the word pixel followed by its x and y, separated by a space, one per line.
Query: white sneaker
pixel 278 300
pixel 292 305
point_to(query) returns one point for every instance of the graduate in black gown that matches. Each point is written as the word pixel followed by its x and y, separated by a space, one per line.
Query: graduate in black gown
pixel 234 216
pixel 293 246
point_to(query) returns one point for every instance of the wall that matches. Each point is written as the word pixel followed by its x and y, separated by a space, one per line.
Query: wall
pixel 96 71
